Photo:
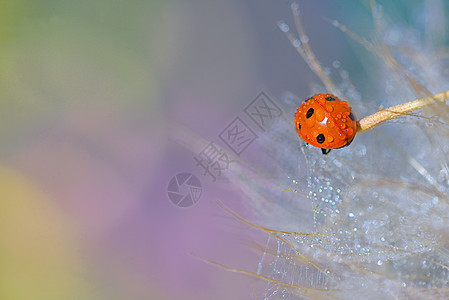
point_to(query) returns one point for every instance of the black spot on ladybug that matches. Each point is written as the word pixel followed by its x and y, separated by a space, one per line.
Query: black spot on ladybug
pixel 299 126
pixel 307 99
pixel 320 138
pixel 351 116
pixel 309 113
pixel 330 98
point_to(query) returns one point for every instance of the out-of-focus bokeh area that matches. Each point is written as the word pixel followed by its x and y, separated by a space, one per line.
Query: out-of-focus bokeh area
pixel 90 95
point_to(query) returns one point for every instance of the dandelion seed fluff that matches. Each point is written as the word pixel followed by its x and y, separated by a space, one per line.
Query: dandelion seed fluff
pixel 371 218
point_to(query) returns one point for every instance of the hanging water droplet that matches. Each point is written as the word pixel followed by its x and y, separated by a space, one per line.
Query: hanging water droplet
pixel 379 262
pixel 283 26
pixel 432 121
pixel 295 6
pixel 296 43
pixel 305 39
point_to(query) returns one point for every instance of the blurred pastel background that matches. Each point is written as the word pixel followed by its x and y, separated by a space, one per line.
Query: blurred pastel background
pixel 90 92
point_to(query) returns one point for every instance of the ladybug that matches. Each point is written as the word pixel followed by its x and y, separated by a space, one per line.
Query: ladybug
pixel 326 122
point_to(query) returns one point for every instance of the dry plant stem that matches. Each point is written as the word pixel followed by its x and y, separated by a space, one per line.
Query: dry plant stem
pixel 306 52
pixel 395 111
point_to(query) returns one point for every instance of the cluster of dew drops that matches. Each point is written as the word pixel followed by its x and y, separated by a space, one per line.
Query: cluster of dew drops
pixel 327 182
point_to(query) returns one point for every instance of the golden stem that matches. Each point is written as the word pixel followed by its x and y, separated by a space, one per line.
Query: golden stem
pixel 395 111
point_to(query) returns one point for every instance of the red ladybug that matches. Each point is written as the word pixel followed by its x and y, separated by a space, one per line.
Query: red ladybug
pixel 326 122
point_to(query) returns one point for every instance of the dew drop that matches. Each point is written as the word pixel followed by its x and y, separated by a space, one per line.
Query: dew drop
pixel 351 215
pixel 336 64
pixel 296 43
pixel 432 121
pixel 379 262
pixel 283 26
pixel 295 6
pixel 305 39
